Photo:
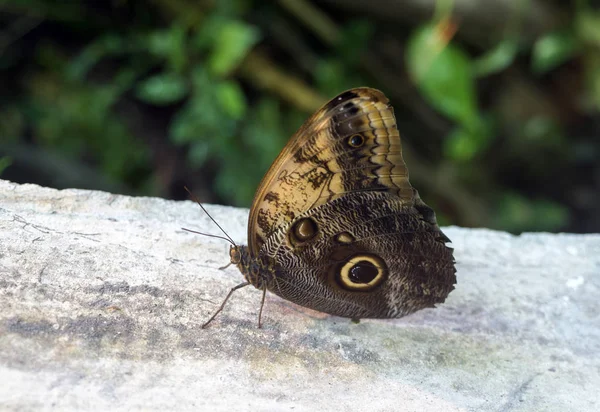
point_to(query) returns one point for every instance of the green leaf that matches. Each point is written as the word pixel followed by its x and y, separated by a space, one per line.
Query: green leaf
pixel 232 42
pixel 199 120
pixel 162 89
pixel 161 42
pixel 442 72
pixel 460 145
pixel 553 49
pixel 169 45
pixel 231 98
pixel 496 59
pixel 204 119
pixel 464 144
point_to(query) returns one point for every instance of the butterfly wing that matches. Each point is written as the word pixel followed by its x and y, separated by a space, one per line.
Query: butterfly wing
pixel 318 165
pixel 337 214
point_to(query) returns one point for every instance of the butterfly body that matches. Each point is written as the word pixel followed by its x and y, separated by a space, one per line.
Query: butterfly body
pixel 335 225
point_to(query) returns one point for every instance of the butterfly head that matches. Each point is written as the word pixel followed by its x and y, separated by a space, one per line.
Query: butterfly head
pixel 235 255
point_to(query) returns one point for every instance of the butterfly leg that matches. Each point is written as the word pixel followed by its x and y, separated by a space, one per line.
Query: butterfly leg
pixel 226 266
pixel 262 304
pixel 241 285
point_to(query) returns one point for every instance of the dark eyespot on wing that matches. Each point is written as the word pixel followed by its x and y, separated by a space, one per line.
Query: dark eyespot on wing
pixel 363 272
pixel 356 140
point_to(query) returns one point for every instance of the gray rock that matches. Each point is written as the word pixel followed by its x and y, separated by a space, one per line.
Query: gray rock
pixel 102 298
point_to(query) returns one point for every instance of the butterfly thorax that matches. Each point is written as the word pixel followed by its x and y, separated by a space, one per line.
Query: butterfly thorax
pixel 257 271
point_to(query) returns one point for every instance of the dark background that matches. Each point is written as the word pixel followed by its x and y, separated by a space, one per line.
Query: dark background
pixel 497 101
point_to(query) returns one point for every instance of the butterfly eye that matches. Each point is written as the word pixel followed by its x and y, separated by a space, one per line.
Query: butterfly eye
pixel 356 140
pixel 303 230
pixel 362 273
pixel 234 255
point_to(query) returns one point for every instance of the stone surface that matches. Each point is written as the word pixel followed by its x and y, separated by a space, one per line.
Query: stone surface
pixel 102 297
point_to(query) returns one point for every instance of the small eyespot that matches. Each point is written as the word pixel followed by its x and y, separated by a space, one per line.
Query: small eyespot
pixel 303 230
pixel 356 140
pixel 361 273
pixel 344 238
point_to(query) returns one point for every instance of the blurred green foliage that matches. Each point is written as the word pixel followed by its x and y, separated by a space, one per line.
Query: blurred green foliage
pixel 4 163
pixel 500 127
pixel 444 73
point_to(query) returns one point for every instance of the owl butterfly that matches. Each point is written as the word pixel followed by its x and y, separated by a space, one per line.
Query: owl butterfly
pixel 335 225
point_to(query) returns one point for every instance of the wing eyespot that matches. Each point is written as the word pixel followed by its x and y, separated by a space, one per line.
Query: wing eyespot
pixel 361 273
pixel 344 238
pixel 356 140
pixel 302 231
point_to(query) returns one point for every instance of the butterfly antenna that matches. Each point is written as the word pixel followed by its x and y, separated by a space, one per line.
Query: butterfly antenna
pixel 227 238
pixel 207 234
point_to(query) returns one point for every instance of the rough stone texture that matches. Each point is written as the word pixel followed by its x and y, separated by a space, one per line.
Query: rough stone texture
pixel 102 298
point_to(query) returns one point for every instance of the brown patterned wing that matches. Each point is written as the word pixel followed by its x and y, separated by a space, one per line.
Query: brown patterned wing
pixel 350 145
pixel 363 255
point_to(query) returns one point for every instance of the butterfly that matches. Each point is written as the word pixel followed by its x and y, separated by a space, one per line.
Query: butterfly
pixel 335 225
